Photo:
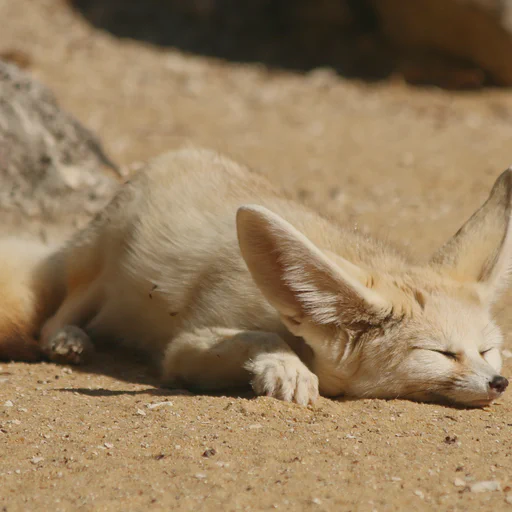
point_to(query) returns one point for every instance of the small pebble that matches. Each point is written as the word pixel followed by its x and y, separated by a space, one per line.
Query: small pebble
pixel 458 482
pixel 419 493
pixel 485 486
pixel 200 476
pixel 316 501
pixel 109 445
pixel 159 404
pixel 140 412
pixel 508 499
pixel 255 426
pixel 8 404
pixel 36 460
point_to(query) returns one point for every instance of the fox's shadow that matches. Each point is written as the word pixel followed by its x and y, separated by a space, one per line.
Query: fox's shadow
pixel 134 369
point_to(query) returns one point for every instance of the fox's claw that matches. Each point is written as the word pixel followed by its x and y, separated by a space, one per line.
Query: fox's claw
pixel 69 345
pixel 283 376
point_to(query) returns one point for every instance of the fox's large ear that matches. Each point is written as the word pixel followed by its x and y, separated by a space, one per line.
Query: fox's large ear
pixel 481 251
pixel 298 279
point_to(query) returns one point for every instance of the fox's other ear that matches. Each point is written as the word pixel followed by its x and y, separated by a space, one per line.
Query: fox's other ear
pixel 481 251
pixel 298 279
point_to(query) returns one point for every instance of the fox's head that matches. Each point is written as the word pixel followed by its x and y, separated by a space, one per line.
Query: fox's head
pixel 384 328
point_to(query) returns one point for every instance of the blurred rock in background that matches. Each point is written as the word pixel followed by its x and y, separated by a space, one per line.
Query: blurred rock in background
pixel 51 167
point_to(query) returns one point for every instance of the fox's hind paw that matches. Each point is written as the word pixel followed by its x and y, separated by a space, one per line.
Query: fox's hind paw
pixel 69 345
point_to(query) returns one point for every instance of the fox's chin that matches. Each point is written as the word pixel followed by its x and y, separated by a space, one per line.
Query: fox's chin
pixel 469 404
pixel 454 401
pixel 476 402
pixel 480 403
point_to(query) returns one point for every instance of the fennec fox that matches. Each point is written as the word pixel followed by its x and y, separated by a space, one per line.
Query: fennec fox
pixel 224 281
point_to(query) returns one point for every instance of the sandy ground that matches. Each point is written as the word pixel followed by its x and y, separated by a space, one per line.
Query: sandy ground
pixel 408 164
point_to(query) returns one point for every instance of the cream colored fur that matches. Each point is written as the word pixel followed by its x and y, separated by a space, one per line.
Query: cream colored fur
pixel 223 281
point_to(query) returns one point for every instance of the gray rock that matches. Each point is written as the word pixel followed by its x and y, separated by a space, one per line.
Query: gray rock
pixel 477 31
pixel 51 167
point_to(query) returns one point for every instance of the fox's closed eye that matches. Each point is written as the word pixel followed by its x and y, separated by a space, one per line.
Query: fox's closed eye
pixel 446 353
pixel 483 352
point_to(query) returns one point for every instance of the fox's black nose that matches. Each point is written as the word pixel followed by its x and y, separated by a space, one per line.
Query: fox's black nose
pixel 498 383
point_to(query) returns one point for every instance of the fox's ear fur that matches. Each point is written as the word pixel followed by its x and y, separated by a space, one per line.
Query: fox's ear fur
pixel 298 279
pixel 481 251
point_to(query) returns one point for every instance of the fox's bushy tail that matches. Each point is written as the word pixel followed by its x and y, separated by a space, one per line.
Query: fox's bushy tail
pixel 30 286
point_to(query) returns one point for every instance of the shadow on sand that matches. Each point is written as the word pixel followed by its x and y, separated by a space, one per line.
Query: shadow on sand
pixel 297 35
pixel 134 369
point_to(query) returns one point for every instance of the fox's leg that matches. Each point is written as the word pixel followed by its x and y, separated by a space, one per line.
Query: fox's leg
pixel 84 260
pixel 220 358
pixel 62 340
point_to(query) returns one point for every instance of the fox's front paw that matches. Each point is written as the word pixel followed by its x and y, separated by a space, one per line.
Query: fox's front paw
pixel 69 345
pixel 283 376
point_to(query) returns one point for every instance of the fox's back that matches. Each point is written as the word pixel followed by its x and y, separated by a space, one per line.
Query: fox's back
pixel 187 205
pixel 180 262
